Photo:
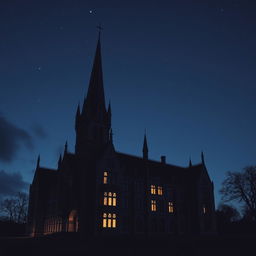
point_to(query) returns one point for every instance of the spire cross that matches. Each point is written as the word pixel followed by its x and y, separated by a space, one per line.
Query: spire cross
pixel 99 27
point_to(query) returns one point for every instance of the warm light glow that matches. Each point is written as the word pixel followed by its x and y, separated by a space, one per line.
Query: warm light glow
pixel 114 221
pixel 109 220
pixel 114 199
pixel 160 190
pixel 109 199
pixel 105 202
pixel 105 178
pixel 170 207
pixel 104 223
pixel 204 210
pixel 153 205
pixel 153 189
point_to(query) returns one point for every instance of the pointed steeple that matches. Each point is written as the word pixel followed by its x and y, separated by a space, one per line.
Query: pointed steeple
pixel 202 158
pixel 190 162
pixel 77 115
pixel 145 147
pixel 38 162
pixel 94 103
pixel 59 162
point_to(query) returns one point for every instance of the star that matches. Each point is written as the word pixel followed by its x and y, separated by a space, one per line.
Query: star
pixel 90 11
pixel 38 68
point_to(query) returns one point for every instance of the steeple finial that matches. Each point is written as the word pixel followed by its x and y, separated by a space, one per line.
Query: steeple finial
pixel 100 28
pixel 38 161
pixel 145 147
pixel 202 158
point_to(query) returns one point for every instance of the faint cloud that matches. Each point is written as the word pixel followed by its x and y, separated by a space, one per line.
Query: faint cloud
pixel 39 131
pixel 11 183
pixel 12 138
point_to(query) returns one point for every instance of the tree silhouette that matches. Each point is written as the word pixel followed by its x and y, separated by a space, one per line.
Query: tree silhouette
pixel 15 208
pixel 241 187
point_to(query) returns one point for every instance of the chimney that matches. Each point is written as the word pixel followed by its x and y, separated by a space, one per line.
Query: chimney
pixel 163 159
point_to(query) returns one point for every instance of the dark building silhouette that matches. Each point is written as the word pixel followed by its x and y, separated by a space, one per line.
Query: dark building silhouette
pixel 98 191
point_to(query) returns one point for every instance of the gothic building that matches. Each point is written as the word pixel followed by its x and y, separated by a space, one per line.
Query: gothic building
pixel 98 191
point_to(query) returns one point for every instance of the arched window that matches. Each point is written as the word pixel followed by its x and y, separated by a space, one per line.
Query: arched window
pixel 109 220
pixel 105 178
pixel 109 199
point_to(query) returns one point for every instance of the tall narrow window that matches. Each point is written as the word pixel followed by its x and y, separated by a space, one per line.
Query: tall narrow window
pixel 153 205
pixel 170 207
pixel 114 199
pixel 109 220
pixel 114 221
pixel 104 221
pixel 153 189
pixel 204 209
pixel 109 198
pixel 105 178
pixel 160 190
pixel 105 201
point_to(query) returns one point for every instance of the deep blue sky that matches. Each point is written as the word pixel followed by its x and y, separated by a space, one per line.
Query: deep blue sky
pixel 184 70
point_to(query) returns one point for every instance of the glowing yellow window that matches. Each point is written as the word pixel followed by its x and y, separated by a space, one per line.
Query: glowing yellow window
pixel 109 198
pixel 104 221
pixel 170 207
pixel 109 220
pixel 153 189
pixel 105 178
pixel 160 190
pixel 153 205
pixel 114 221
pixel 114 199
pixel 105 201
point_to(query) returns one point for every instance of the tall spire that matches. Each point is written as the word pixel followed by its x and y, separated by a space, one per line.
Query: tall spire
pixel 38 162
pixel 66 148
pixel 202 158
pixel 94 103
pixel 145 147
pixel 190 162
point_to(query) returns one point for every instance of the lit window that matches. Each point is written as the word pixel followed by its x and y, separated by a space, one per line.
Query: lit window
pixel 204 209
pixel 160 190
pixel 104 222
pixel 109 220
pixel 105 178
pixel 153 205
pixel 114 199
pixel 114 221
pixel 153 189
pixel 105 198
pixel 170 207
pixel 109 199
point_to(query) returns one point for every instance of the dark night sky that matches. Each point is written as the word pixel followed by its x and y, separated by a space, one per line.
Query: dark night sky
pixel 184 70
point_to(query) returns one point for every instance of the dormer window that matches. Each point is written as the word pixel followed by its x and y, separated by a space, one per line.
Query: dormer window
pixel 105 178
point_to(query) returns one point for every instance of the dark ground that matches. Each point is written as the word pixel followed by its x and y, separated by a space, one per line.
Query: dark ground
pixel 177 246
